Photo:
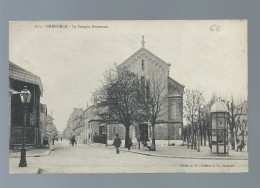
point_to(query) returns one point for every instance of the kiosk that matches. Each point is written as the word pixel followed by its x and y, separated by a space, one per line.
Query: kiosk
pixel 219 114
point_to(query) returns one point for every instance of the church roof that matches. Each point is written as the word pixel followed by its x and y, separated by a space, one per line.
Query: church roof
pixel 148 52
pixel 175 82
pixel 18 73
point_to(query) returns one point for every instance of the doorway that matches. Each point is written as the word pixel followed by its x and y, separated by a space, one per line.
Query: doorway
pixel 143 130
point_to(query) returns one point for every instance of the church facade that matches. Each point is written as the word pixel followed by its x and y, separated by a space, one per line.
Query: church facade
pixel 150 68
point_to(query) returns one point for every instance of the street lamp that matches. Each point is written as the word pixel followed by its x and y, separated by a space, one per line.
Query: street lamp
pixel 25 98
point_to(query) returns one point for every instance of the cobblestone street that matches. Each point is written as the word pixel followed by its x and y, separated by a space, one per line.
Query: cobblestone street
pixel 99 159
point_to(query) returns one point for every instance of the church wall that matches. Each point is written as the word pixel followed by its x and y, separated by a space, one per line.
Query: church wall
pixel 144 64
pixel 161 131
pixel 175 131
pixel 155 68
pixel 175 109
pixel 168 131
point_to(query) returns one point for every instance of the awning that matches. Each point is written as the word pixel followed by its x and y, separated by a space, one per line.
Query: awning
pixel 20 74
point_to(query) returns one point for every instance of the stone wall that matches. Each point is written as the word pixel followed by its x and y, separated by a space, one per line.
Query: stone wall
pixel 116 129
pixel 175 109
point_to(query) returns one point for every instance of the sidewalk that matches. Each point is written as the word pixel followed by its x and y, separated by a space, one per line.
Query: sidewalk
pixel 31 152
pixel 32 168
pixel 182 152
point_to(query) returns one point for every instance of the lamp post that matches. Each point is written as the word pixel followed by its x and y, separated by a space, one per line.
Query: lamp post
pixel 25 98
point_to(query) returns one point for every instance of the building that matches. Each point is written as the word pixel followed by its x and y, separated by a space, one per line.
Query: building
pixel 169 124
pixel 51 131
pixel 18 78
pixel 84 124
pixel 75 124
pixel 43 121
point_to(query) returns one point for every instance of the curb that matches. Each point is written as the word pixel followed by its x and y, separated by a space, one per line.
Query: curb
pixel 175 157
pixel 36 155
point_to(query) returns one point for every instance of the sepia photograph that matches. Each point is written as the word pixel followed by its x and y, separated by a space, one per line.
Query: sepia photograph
pixel 133 96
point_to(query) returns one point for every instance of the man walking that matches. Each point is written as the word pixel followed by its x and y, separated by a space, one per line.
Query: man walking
pixel 117 143
pixel 73 140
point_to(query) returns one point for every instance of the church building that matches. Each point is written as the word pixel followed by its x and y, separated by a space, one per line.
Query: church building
pixel 148 67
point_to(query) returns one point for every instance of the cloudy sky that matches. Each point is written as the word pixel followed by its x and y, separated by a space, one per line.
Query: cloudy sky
pixel 211 55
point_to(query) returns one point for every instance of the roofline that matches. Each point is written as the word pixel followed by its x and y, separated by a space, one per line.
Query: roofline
pixel 146 51
pixel 24 71
pixel 176 82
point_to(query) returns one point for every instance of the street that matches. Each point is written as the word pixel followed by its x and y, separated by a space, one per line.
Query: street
pixel 85 158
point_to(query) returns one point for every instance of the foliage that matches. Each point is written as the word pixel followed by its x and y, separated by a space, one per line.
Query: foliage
pixel 118 98
pixel 152 99
pixel 193 104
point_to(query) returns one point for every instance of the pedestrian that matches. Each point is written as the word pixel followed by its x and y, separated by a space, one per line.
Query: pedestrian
pixel 130 144
pixel 53 140
pixel 117 143
pixel 73 140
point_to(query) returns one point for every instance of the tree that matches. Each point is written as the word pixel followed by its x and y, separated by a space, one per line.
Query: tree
pixel 243 121
pixel 207 119
pixel 187 134
pixel 117 97
pixel 192 104
pixel 234 117
pixel 152 98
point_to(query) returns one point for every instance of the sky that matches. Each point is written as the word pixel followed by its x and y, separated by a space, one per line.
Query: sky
pixel 210 55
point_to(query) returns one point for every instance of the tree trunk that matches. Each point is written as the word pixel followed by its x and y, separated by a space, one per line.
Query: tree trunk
pixel 209 137
pixel 195 142
pixel 201 139
pixel 236 136
pixel 198 145
pixel 153 139
pixel 127 136
pixel 232 139
pixel 188 141
pixel 205 139
pixel 192 136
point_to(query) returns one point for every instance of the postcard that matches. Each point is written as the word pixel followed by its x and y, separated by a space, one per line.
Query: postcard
pixel 133 96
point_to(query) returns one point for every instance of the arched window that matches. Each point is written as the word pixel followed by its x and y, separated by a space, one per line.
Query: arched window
pixel 143 83
pixel 142 64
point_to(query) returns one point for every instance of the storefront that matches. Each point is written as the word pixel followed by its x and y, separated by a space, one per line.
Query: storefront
pixel 18 78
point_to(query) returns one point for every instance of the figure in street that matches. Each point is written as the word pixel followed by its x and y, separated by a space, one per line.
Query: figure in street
pixel 117 143
pixel 73 140
pixel 130 144
pixel 53 139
